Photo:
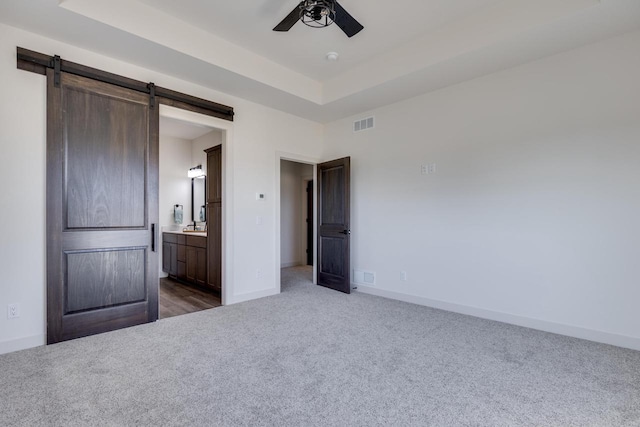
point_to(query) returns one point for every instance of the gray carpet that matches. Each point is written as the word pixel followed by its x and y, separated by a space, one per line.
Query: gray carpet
pixel 312 357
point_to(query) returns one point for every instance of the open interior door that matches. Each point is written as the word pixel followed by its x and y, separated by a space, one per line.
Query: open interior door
pixel 334 225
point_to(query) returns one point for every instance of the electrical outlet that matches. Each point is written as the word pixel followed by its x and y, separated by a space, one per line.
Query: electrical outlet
pixel 258 273
pixel 428 169
pixel 403 276
pixel 13 311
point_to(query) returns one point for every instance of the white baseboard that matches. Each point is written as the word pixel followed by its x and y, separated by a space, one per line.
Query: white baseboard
pixel 290 264
pixel 542 325
pixel 21 343
pixel 252 295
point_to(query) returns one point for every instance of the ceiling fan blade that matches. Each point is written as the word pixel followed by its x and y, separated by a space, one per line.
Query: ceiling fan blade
pixel 289 21
pixel 346 22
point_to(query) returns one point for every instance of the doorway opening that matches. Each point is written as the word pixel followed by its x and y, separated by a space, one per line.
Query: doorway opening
pixel 296 223
pixel 102 194
pixel 331 229
pixel 185 175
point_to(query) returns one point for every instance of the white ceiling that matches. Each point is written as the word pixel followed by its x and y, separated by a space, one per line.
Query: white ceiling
pixel 387 25
pixel 229 46
pixel 183 130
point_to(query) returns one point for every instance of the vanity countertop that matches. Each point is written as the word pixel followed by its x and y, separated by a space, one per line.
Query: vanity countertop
pixel 187 233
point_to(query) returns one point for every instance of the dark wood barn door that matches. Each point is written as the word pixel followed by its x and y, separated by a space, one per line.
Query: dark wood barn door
pixel 102 207
pixel 333 224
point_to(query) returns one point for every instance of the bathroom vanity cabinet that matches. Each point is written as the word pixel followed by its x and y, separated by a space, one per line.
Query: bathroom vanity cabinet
pixel 184 257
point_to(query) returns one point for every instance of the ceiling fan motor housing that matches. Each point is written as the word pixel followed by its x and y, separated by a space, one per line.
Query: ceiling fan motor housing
pixel 317 13
pixel 321 14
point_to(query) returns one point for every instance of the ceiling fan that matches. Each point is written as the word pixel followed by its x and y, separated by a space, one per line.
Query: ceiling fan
pixel 320 14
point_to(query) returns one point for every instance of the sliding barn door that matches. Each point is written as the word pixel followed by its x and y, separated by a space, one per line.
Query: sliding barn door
pixel 102 207
pixel 333 225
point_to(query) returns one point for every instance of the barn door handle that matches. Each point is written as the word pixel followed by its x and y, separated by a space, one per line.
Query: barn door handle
pixel 153 237
pixel 345 232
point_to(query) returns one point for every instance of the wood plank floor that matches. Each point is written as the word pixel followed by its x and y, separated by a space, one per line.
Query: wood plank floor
pixel 177 298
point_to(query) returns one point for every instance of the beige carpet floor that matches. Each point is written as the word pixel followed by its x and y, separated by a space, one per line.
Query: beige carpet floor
pixel 315 357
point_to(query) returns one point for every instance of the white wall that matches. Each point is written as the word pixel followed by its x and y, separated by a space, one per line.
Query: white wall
pixel 22 245
pixel 174 185
pixel 533 214
pixel 258 133
pixel 206 141
pixel 293 212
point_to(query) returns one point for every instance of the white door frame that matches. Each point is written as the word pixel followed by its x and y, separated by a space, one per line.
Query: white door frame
pixel 226 127
pixel 298 158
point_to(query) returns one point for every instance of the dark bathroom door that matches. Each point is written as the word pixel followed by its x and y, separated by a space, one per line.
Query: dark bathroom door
pixel 334 224
pixel 309 223
pixel 102 208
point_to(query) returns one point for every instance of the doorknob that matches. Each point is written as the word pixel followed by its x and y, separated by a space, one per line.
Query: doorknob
pixel 345 232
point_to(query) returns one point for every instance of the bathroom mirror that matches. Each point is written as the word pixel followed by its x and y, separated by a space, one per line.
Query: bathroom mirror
pixel 198 193
pixel 198 201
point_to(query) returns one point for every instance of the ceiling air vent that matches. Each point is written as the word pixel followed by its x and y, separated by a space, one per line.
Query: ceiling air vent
pixel 364 124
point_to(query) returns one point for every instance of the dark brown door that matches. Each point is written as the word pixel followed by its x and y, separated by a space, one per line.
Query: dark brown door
pixel 102 207
pixel 310 223
pixel 214 217
pixel 333 225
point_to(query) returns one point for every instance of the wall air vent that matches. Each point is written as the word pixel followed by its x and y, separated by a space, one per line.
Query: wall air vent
pixel 363 124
